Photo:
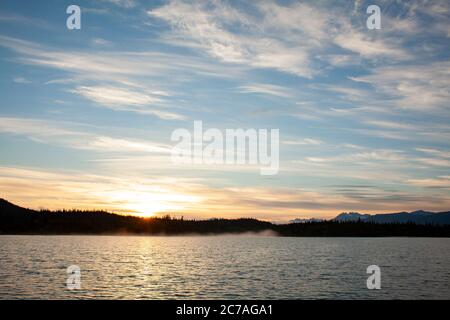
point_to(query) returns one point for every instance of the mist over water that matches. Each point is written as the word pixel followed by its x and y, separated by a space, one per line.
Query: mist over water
pixel 223 267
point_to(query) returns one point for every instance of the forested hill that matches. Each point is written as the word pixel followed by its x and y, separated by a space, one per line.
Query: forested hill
pixel 18 220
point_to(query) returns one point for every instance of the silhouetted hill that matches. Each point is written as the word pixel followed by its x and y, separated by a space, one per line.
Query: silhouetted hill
pixel 17 220
pixel 9 209
pixel 417 217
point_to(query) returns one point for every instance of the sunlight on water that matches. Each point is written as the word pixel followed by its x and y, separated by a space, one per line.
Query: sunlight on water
pixel 34 267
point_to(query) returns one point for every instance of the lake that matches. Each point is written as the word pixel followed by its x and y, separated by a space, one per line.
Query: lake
pixel 223 267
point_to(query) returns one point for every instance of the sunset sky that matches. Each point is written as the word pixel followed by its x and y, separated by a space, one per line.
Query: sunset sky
pixel 86 115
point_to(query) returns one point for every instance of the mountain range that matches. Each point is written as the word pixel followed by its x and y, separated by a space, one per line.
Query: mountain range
pixel 417 217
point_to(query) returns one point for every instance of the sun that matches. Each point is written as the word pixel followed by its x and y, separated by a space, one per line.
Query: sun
pixel 147 203
pixel 147 209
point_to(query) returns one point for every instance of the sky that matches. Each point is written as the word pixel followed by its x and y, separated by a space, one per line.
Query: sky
pixel 86 116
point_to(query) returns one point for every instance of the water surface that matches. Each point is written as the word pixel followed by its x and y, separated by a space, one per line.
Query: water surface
pixel 223 267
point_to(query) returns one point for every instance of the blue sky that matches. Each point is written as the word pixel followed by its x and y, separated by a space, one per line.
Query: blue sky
pixel 86 115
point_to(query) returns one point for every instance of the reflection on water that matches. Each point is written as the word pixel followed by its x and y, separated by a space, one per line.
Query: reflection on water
pixel 125 267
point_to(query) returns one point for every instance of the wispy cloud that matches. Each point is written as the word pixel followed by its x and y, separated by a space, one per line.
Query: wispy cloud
pixel 434 162
pixel 78 136
pixel 15 18
pixel 114 66
pixel 436 152
pixel 207 26
pixel 21 80
pixel 391 124
pixel 114 96
pixel 303 142
pixel 126 145
pixel 35 127
pixel 362 157
pixel 308 31
pixel 122 3
pixel 369 48
pixel 415 87
pixel 439 182
pixel 101 42
pixel 124 99
pixel 264 88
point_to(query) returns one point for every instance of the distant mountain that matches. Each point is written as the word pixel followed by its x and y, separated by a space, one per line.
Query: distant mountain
pixel 351 216
pixel 418 217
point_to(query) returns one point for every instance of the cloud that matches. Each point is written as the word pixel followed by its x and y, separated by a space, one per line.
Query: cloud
pixel 440 182
pixel 391 124
pixel 414 87
pixel 370 48
pixel 208 26
pixel 21 80
pixel 104 143
pixel 340 60
pixel 123 99
pixel 115 96
pixel 32 53
pixel 436 152
pixel 302 142
pixel 251 36
pixel 382 155
pixel 433 162
pixel 78 137
pixel 419 134
pixel 35 128
pixel 264 88
pixel 121 81
pixel 107 67
pixel 10 17
pixel 347 92
pixel 122 3
pixel 114 66
pixel 353 146
pixel 100 42
pixel 363 157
